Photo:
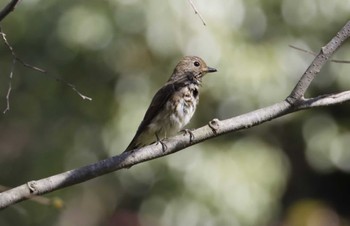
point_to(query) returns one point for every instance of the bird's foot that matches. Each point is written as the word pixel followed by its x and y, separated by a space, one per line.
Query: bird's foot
pixel 160 141
pixel 164 147
pixel 189 132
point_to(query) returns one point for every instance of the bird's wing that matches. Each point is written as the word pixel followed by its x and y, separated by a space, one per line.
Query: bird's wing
pixel 158 102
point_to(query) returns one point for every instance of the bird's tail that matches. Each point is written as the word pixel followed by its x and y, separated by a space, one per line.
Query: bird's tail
pixel 133 145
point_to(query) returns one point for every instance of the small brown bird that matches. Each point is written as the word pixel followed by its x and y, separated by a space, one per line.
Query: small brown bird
pixel 173 105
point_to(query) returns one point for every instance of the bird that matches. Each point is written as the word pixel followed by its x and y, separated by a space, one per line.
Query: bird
pixel 173 105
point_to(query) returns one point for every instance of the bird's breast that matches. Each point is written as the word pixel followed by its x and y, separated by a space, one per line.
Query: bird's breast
pixel 177 112
pixel 186 100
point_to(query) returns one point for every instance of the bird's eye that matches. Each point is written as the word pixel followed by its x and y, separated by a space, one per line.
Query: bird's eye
pixel 196 63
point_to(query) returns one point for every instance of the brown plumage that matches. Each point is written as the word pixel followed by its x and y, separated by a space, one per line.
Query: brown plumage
pixel 174 104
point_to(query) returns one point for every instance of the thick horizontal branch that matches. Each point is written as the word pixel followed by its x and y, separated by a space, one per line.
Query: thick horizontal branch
pixel 174 144
pixel 294 102
pixel 129 159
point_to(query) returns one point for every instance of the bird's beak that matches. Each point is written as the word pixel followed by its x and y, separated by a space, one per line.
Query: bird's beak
pixel 211 69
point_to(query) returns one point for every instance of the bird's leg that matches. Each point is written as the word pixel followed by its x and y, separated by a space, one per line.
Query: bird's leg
pixel 164 147
pixel 187 131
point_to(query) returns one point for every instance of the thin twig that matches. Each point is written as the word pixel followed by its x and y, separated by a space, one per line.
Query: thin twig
pixel 314 54
pixel 8 8
pixel 74 89
pixel 3 35
pixel 10 87
pixel 16 58
pixel 14 55
pixel 30 66
pixel 197 12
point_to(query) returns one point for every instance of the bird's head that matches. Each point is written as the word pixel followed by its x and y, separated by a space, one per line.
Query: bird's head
pixel 191 65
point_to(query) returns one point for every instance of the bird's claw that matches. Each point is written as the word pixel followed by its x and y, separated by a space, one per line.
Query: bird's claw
pixel 160 141
pixel 164 147
pixel 187 131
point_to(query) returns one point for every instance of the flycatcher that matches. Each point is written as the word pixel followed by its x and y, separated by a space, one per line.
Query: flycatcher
pixel 173 105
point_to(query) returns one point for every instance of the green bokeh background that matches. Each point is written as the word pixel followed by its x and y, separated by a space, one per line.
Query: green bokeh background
pixel 291 171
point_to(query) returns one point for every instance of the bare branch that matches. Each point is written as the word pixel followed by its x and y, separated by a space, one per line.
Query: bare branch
pixel 325 100
pixel 326 52
pixel 14 55
pixel 174 144
pixel 55 202
pixel 15 58
pixel 10 87
pixel 197 12
pixel 128 159
pixel 8 8
pixel 74 89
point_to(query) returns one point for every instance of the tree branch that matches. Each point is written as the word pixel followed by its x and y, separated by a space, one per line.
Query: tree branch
pixel 294 102
pixel 54 202
pixel 196 11
pixel 8 8
pixel 10 87
pixel 325 100
pixel 15 58
pixel 326 52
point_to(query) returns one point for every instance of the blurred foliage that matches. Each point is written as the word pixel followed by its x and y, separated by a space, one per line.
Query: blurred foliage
pixel 291 171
